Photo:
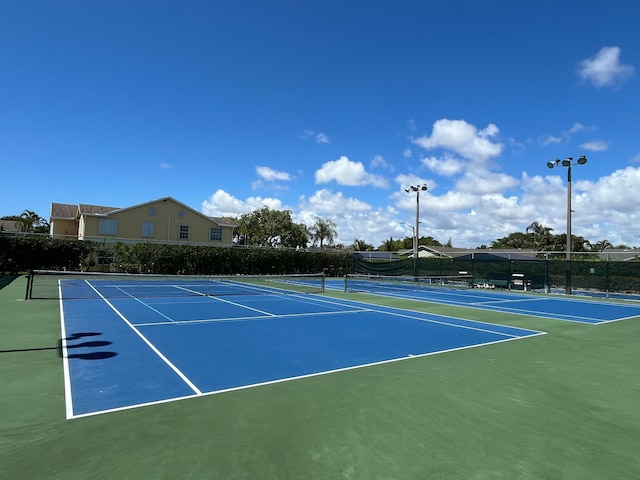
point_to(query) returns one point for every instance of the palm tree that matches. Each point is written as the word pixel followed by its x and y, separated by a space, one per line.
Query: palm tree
pixel 323 229
pixel 602 245
pixel 541 235
pixel 30 220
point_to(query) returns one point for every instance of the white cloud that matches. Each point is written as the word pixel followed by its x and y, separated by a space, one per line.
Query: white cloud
pixel 346 172
pixel 222 204
pixel 595 146
pixel 378 161
pixel 462 138
pixel 165 166
pixel 604 69
pixel 272 175
pixel 322 138
pixel 484 183
pixel 549 139
pixel 447 166
pixel 319 137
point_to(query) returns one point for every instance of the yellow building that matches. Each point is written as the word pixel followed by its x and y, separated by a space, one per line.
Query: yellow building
pixel 162 221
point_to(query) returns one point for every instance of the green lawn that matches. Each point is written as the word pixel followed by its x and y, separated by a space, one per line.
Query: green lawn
pixel 565 405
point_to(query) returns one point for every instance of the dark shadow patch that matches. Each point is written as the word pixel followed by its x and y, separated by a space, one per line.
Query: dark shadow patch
pixel 6 280
pixel 97 343
pixel 93 355
pixel 79 335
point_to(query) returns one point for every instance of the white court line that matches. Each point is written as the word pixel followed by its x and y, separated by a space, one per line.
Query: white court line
pixel 261 317
pixel 431 320
pixel 310 375
pixel 65 360
pixel 145 340
pixel 145 304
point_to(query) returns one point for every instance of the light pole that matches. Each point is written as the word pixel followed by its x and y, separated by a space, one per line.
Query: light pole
pixel 414 240
pixel 416 236
pixel 567 163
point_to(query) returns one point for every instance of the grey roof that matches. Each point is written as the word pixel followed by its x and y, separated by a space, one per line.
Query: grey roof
pixel 63 210
pixel 95 209
pixel 224 221
pixel 9 226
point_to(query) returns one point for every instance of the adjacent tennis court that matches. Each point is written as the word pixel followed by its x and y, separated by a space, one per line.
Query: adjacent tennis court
pixel 455 291
pixel 130 343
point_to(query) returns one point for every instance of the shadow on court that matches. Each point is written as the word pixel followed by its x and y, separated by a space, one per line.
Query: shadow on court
pixel 75 336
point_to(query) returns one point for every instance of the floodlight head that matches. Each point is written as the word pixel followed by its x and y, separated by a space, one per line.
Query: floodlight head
pixel 414 188
pixel 582 160
pixel 566 163
pixel 424 187
pixel 551 164
pixel 407 190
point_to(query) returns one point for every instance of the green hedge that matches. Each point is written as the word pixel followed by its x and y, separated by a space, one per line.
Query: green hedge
pixel 24 253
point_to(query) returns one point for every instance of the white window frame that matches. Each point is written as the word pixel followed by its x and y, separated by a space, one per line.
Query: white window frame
pixel 215 234
pixel 184 232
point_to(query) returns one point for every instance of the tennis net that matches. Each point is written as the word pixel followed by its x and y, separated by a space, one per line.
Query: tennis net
pixel 381 283
pixel 47 284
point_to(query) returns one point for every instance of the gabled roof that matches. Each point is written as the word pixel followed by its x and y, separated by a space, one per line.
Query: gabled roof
pixel 69 211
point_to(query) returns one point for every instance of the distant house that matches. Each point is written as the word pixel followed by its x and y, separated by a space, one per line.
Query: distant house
pixel 165 220
pixel 9 226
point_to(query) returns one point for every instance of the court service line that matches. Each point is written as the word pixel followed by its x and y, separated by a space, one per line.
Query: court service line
pixel 146 305
pixel 243 306
pixel 248 319
pixel 151 346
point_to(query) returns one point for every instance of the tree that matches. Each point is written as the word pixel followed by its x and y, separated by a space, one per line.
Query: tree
pixel 272 228
pixel 601 246
pixel 361 246
pixel 391 245
pixel 541 236
pixel 29 222
pixel 514 240
pixel 429 242
pixel 323 229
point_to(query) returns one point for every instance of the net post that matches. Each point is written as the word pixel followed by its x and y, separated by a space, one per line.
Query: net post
pixel 323 282
pixel 27 293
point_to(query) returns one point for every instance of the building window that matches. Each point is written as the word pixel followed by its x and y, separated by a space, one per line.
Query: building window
pixel 183 232
pixel 107 226
pixel 215 233
pixel 148 229
pixel 152 211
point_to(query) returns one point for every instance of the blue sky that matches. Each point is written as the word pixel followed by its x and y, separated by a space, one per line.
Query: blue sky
pixel 329 109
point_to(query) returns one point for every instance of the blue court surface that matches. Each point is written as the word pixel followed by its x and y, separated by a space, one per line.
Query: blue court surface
pixel 560 307
pixel 128 351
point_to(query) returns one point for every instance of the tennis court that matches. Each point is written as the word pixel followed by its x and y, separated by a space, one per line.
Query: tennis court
pixel 129 344
pixel 559 307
